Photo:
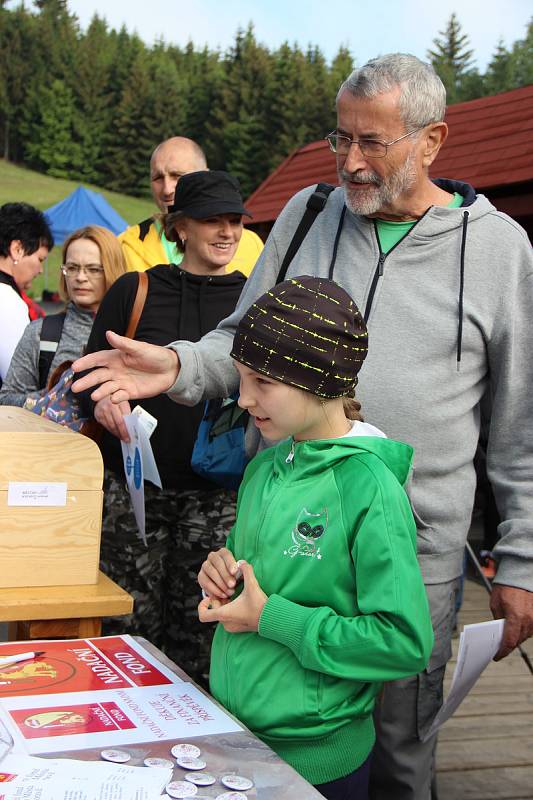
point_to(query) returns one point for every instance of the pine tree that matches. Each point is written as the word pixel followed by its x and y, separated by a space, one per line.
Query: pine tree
pixel 499 76
pixel 50 144
pixel 236 131
pixel 341 66
pixel 18 30
pixel 522 54
pixel 165 112
pixel 131 142
pixel 452 60
pixel 90 84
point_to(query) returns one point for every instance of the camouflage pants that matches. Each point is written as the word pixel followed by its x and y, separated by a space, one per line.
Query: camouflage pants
pixel 181 528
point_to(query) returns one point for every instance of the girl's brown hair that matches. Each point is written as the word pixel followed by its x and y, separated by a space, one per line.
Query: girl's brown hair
pixel 111 254
pixel 352 407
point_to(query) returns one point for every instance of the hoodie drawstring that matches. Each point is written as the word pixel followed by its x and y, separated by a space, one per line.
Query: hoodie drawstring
pixel 182 305
pixel 201 305
pixel 466 214
pixel 336 243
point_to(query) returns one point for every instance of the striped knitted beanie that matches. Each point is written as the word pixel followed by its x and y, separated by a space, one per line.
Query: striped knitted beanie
pixel 306 332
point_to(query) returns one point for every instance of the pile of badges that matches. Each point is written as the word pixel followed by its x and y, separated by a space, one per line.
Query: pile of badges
pixel 188 758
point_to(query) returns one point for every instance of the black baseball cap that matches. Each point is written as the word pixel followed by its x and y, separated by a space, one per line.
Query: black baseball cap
pixel 208 193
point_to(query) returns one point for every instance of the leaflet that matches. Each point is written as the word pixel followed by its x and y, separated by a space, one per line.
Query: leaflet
pixel 80 720
pixel 139 465
pixel 29 778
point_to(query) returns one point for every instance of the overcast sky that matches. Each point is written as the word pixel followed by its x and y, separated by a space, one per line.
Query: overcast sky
pixel 367 27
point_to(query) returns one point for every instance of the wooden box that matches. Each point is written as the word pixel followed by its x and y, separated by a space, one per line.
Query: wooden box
pixel 49 545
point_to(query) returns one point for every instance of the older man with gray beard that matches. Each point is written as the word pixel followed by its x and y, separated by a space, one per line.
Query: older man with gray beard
pixel 446 284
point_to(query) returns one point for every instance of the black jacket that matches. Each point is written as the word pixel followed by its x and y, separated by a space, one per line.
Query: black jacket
pixel 178 306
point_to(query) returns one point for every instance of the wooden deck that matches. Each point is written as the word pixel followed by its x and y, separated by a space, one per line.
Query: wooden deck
pixel 485 751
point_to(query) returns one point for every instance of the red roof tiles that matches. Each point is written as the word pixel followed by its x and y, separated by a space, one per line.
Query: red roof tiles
pixel 490 143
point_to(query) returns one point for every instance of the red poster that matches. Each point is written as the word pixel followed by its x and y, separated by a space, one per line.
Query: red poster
pixel 79 665
pixel 129 660
pixel 34 723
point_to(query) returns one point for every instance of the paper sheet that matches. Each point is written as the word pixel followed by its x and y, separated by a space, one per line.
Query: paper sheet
pixel 28 778
pixel 139 465
pixel 478 645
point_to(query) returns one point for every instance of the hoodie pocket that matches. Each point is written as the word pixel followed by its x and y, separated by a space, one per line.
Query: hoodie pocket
pixel 421 525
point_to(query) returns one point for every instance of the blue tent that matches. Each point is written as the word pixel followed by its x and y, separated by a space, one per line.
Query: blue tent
pixel 81 208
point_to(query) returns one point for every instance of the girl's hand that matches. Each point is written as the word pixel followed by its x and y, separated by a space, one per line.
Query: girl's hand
pixel 219 574
pixel 240 615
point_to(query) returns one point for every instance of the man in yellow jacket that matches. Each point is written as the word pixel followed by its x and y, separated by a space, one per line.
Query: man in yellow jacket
pixel 145 245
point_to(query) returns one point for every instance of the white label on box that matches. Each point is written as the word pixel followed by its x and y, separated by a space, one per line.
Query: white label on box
pixel 36 494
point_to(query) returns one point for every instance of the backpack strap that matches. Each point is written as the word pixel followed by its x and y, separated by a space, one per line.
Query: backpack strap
pixel 315 204
pixel 138 305
pixel 50 335
pixel 144 228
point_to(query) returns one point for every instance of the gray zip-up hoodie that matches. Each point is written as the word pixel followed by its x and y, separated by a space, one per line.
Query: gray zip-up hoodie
pixel 449 312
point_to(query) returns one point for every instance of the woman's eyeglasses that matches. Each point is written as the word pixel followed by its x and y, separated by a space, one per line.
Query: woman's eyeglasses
pixel 91 270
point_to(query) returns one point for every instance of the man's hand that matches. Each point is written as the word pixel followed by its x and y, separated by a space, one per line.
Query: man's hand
pixel 241 615
pixel 111 416
pixel 516 606
pixel 219 573
pixel 133 370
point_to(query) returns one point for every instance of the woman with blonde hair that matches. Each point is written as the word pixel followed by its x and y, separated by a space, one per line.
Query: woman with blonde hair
pixel 92 260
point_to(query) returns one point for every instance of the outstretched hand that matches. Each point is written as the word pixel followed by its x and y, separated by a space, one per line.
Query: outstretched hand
pixel 131 371
pixel 240 615
pixel 516 606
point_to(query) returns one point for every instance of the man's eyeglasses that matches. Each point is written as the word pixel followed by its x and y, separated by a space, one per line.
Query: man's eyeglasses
pixel 370 148
pixel 91 270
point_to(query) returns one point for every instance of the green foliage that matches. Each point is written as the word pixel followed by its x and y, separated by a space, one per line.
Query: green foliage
pixel 91 105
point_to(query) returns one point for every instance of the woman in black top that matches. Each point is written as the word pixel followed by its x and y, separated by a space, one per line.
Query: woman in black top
pixel 189 516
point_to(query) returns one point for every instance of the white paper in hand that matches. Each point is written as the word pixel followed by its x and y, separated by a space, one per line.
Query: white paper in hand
pixel 478 645
pixel 139 464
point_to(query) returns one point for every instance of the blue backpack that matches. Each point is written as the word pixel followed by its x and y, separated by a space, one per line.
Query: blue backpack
pixel 219 453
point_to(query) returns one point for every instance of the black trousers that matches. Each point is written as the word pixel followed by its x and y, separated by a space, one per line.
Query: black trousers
pixel 352 787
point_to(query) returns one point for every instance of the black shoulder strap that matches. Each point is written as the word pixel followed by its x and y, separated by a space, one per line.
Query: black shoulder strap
pixel 50 336
pixel 144 228
pixel 315 204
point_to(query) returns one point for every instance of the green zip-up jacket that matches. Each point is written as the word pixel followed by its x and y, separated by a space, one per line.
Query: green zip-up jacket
pixel 328 529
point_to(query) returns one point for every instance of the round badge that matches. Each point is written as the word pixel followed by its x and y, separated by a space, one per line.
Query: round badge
pixel 188 762
pixel 158 762
pixel 117 756
pixel 201 778
pixel 181 789
pixel 232 796
pixel 185 750
pixel 236 782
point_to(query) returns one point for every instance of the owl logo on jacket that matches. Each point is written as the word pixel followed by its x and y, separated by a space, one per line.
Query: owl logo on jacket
pixel 307 532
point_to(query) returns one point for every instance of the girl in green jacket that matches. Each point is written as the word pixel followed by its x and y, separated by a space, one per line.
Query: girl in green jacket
pixel 318 594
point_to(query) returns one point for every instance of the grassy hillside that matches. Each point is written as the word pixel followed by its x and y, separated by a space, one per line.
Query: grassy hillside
pixel 23 185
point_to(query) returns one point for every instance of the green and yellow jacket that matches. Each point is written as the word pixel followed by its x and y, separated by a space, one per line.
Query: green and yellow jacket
pixel 329 531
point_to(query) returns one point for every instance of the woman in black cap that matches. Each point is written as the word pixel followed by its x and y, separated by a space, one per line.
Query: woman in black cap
pixel 189 516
